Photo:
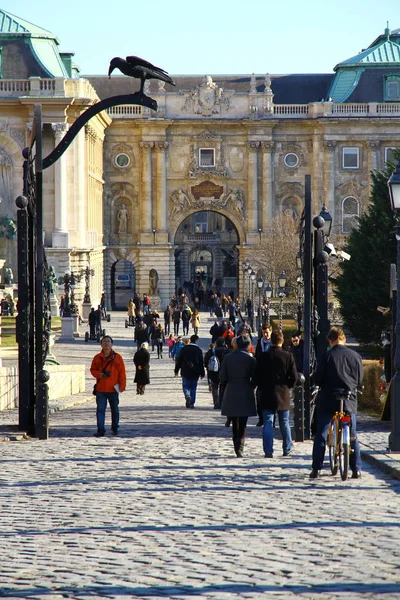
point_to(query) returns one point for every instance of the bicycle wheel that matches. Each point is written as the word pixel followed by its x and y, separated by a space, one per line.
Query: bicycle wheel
pixel 332 445
pixel 344 452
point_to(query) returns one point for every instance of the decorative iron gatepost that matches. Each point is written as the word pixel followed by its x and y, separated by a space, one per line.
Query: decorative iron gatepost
pixel 34 315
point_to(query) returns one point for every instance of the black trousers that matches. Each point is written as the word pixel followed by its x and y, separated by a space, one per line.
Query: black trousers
pixel 239 432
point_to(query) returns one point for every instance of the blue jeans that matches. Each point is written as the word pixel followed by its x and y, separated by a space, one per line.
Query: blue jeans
pixel 268 430
pixel 189 387
pixel 323 422
pixel 101 401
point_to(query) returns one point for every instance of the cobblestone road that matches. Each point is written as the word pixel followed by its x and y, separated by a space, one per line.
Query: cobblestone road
pixel 166 511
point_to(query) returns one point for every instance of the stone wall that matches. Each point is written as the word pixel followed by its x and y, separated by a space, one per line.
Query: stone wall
pixel 65 380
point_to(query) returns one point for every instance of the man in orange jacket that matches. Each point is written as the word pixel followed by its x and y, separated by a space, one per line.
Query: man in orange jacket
pixel 109 370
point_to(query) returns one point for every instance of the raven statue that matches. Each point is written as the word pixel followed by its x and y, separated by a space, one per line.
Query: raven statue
pixel 137 67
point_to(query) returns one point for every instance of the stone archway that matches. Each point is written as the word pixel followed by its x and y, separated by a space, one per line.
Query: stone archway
pixel 206 251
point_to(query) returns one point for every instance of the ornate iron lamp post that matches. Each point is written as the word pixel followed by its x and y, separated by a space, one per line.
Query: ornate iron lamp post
pixel 394 437
pixel 252 280
pixel 268 296
pixel 282 284
pixel 323 225
pixel 260 284
pixel 88 273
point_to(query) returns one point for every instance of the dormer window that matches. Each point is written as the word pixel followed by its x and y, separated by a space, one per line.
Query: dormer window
pixel 392 88
pixel 206 157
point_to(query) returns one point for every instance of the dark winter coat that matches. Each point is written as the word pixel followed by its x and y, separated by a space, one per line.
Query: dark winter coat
pixel 220 353
pixel 339 368
pixel 142 359
pixel 190 362
pixel 141 333
pixel 237 373
pixel 275 375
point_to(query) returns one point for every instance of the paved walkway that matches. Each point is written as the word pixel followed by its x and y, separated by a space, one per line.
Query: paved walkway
pixel 166 510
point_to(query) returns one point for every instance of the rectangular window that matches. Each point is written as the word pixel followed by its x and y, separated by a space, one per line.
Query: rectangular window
pixel 201 222
pixel 350 158
pixel 393 90
pixel 389 155
pixel 206 157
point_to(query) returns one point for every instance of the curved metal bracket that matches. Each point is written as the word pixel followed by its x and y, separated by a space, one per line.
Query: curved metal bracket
pixel 69 137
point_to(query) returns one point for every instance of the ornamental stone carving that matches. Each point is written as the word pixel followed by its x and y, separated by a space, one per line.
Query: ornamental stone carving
pixel 233 200
pixel 236 159
pixel 19 136
pixel 290 189
pixel 292 149
pixel 122 149
pixel 219 170
pixel 268 96
pixel 206 99
pixel 351 188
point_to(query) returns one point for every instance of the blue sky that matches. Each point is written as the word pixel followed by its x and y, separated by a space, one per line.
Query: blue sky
pixel 213 37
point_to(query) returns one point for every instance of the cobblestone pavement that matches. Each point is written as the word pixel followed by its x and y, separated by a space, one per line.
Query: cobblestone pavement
pixel 166 510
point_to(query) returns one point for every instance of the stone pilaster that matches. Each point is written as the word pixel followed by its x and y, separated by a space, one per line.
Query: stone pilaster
pixel 146 200
pixel 329 177
pixel 161 212
pixel 60 236
pixel 266 208
pixel 252 189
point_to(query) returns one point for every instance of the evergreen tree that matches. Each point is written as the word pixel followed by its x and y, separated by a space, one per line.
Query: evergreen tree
pixel 364 281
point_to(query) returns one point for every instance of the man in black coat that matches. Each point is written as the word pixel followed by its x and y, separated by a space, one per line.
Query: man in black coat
pixel 339 368
pixel 275 375
pixel 190 362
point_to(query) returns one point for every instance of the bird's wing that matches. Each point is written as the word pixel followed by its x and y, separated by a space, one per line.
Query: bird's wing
pixel 136 61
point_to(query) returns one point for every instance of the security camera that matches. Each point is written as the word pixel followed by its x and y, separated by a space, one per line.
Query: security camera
pixel 344 255
pixel 330 249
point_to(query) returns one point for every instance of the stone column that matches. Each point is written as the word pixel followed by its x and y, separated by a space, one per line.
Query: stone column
pixel 329 176
pixel 372 161
pixel 80 166
pixel 266 185
pixel 146 208
pixel 161 212
pixel 60 236
pixel 252 189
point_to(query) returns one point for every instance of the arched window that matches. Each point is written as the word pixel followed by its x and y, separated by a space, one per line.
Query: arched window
pixel 350 214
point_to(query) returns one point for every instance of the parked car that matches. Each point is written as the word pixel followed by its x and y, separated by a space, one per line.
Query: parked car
pixel 122 280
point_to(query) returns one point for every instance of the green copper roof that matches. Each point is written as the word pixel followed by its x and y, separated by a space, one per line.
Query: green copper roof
pixel 44 44
pixel 11 24
pixel 385 52
pixel 344 82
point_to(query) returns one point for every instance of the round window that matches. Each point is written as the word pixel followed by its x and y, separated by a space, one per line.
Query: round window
pixel 291 159
pixel 122 160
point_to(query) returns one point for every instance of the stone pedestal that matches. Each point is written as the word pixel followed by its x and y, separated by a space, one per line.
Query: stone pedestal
pixel 76 325
pixel 54 309
pixel 86 308
pixel 67 328
pixel 155 303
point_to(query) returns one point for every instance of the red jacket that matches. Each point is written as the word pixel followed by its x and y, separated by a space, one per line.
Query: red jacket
pixel 116 368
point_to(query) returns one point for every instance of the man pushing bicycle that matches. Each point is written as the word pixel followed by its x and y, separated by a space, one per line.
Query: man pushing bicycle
pixel 339 369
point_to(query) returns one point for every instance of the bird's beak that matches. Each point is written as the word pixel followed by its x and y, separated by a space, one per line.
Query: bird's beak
pixel 110 70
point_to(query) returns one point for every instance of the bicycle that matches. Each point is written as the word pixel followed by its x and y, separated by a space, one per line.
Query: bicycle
pixel 339 436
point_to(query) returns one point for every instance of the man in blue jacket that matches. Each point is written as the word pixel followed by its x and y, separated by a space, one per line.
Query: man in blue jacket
pixel 190 363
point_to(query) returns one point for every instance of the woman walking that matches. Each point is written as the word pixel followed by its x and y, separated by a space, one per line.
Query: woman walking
pixel 196 321
pixel 159 339
pixel 238 402
pixel 170 343
pixel 141 360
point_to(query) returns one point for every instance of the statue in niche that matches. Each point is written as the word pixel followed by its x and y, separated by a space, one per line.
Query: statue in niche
pixel 153 282
pixel 8 276
pixel 123 217
pixel 290 210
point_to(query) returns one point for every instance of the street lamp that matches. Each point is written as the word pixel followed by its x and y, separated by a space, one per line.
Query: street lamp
pixel 282 284
pixel 252 279
pixel 323 225
pixel 394 437
pixel 268 296
pixel 260 284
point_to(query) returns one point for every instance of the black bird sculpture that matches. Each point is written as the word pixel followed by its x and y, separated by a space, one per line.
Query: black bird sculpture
pixel 137 67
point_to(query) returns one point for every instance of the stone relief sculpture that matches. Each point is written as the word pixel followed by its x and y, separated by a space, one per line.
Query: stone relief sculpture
pixel 123 217
pixel 206 99
pixel 237 201
pixel 153 282
pixel 180 202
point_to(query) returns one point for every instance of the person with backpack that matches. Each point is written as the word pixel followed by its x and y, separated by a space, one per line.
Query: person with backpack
pixel 190 363
pixel 177 347
pixel 159 339
pixel 212 362
pixel 176 317
pixel 186 316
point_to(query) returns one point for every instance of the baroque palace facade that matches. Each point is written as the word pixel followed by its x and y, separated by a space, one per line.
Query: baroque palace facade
pixel 187 190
